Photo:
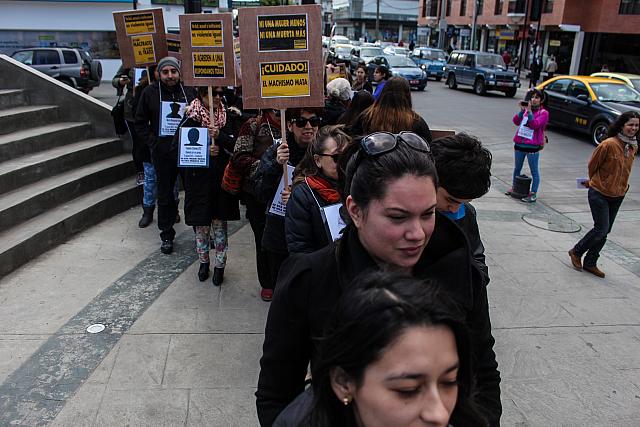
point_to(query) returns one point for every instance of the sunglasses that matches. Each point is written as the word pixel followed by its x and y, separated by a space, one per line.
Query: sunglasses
pixel 334 157
pixel 382 142
pixel 218 93
pixel 302 121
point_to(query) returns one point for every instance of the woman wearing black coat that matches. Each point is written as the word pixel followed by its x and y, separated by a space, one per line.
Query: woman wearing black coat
pixel 314 187
pixel 206 206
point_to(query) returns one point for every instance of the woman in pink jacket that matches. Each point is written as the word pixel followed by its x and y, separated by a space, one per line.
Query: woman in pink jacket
pixel 530 139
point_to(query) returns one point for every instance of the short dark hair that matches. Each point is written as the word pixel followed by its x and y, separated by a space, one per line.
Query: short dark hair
pixel 376 309
pixel 463 165
pixel 616 127
pixel 382 69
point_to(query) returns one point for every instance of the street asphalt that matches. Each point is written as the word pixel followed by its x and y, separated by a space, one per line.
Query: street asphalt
pixel 176 351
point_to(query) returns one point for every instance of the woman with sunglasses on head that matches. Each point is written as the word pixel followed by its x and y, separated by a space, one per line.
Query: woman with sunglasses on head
pixel 206 206
pixel 315 186
pixel 392 112
pixel 390 196
pixel 302 127
pixel 395 353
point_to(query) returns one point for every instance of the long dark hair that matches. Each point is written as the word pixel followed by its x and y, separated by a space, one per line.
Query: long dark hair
pixel 616 127
pixel 392 111
pixel 360 102
pixel 374 311
pixel 307 166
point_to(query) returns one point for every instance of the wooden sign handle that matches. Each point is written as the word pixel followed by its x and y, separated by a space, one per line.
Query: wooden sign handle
pixel 283 135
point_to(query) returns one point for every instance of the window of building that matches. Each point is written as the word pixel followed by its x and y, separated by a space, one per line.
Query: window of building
pixel 448 7
pixel 69 57
pixel 430 8
pixel 548 6
pixel 499 7
pixel 480 7
pixel 517 6
pixel 629 7
pixel 463 7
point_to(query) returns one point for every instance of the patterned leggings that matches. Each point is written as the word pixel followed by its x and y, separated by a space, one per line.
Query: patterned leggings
pixel 220 242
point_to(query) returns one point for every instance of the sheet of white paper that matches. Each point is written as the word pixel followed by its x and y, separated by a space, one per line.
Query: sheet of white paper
pixel 579 182
pixel 523 130
pixel 138 75
pixel 334 220
pixel 194 148
pixel 277 207
pixel 171 114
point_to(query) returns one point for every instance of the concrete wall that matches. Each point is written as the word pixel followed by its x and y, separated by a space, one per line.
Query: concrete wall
pixel 44 90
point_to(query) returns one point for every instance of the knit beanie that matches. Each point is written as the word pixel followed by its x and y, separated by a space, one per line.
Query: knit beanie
pixel 339 88
pixel 168 61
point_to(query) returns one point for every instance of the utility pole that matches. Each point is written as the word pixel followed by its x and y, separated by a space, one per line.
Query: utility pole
pixel 442 25
pixel 525 33
pixel 473 25
pixel 377 20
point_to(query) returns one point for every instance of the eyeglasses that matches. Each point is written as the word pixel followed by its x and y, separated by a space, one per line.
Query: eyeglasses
pixel 382 142
pixel 302 121
pixel 334 157
pixel 218 93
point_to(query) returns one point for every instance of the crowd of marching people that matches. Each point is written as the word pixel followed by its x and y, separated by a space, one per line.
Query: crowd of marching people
pixel 387 314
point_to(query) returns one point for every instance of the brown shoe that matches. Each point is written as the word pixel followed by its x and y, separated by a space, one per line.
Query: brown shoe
pixel 595 271
pixel 575 260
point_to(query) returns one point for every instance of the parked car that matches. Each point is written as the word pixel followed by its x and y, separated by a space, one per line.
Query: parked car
pixel 431 60
pixel 363 55
pixel 71 66
pixel 588 104
pixel 632 80
pixel 341 53
pixel 484 71
pixel 396 50
pixel 339 40
pixel 400 66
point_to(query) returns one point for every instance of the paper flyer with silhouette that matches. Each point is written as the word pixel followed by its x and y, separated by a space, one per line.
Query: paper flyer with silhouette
pixel 194 148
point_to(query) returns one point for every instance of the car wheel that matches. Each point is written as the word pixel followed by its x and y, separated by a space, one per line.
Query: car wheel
pixel 510 93
pixel 451 81
pixel 439 78
pixel 421 87
pixel 96 70
pixel 479 87
pixel 599 132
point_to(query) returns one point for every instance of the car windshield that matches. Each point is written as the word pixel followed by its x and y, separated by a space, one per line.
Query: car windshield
pixel 490 61
pixel 434 55
pixel 400 61
pixel 615 92
pixel 370 51
pixel 343 50
pixel 636 84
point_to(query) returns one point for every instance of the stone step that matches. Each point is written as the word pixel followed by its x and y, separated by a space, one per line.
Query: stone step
pixel 25 170
pixel 27 202
pixel 26 241
pixel 39 138
pixel 10 98
pixel 18 118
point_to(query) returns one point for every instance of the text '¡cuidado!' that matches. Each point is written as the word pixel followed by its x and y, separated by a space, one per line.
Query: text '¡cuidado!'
pixel 284 68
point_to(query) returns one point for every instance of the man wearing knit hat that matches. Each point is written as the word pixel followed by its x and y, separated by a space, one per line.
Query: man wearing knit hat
pixel 159 113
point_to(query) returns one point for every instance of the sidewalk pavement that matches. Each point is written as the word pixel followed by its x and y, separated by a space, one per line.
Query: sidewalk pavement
pixel 180 352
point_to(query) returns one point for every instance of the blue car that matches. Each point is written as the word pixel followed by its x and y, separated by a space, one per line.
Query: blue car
pixel 400 66
pixel 430 60
pixel 482 70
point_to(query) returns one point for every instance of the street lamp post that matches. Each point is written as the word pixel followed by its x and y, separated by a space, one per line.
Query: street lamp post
pixel 442 25
pixel 473 25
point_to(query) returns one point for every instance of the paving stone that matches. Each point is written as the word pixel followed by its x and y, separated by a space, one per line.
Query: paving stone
pixel 140 362
pixel 223 407
pixel 151 408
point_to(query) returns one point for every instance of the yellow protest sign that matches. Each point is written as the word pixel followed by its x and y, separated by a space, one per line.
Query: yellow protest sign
pixel 206 34
pixel 284 79
pixel 140 23
pixel 143 51
pixel 282 32
pixel 208 64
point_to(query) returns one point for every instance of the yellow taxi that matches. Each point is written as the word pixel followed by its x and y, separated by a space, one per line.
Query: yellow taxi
pixel 588 104
pixel 632 80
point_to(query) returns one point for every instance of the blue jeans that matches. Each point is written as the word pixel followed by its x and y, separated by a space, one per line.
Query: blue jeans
pixel 150 189
pixel 604 211
pixel 532 158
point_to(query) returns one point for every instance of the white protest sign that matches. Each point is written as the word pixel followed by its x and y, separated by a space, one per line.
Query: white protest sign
pixel 138 74
pixel 333 220
pixel 524 131
pixel 277 207
pixel 580 183
pixel 171 114
pixel 194 148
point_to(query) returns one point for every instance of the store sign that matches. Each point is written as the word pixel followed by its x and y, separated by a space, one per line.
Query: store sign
pixel 554 43
pixel 465 32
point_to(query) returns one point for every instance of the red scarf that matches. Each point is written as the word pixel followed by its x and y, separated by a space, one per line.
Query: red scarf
pixel 324 188
pixel 197 112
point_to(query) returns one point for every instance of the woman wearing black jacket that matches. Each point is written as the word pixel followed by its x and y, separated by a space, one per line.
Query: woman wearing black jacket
pixel 392 205
pixel 206 206
pixel 314 187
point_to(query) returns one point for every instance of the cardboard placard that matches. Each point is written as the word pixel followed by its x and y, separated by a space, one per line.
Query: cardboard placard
pixel 141 37
pixel 208 58
pixel 173 46
pixel 281 56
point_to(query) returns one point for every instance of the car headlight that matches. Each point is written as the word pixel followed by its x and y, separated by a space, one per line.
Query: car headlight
pixel 515 78
pixel 443 68
pixel 491 76
pixel 424 67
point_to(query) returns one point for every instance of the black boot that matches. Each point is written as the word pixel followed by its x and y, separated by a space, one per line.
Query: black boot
pixel 203 272
pixel 147 216
pixel 218 276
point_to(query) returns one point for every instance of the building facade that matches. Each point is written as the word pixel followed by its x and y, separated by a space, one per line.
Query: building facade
pixel 583 35
pixel 356 19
